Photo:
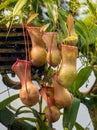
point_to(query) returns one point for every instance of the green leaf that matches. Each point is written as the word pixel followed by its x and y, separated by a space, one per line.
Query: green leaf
pixel 41 123
pixel 48 1
pixel 5 18
pixel 38 119
pixel 6 116
pixel 19 111
pixel 63 13
pixel 52 12
pixel 70 114
pixel 65 128
pixel 19 5
pixel 78 126
pixel 63 25
pixel 82 77
pixel 6 3
pixel 80 34
pixel 82 30
pixel 44 27
pixel 14 122
pixel 22 112
pixel 22 125
pixel 27 119
pixel 89 23
pixel 33 16
pixel 92 8
pixel 93 34
pixel 58 2
pixel 5 102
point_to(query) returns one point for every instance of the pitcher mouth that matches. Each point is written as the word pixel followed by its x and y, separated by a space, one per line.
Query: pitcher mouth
pixel 70 47
pixel 32 27
pixel 20 61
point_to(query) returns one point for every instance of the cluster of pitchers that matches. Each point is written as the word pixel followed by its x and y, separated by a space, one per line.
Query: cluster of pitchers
pixel 46 51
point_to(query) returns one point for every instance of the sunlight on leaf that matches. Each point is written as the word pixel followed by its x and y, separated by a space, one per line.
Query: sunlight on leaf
pixel 33 16
pixel 6 3
pixel 43 28
pixel 6 18
pixel 19 5
pixel 92 8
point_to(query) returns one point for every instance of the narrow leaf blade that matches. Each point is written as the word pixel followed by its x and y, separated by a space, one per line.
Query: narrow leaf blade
pixel 4 4
pixel 44 27
pixel 70 114
pixel 5 102
pixel 42 124
pixel 19 6
pixel 27 119
pixel 33 16
pixel 78 126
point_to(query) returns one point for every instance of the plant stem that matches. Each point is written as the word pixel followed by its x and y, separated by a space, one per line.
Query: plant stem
pixel 40 105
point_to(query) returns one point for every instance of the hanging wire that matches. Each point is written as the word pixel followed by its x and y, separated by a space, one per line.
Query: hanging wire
pixel 5 90
pixel 25 42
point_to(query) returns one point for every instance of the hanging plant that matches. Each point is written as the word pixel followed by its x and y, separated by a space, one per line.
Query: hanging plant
pixel 58 38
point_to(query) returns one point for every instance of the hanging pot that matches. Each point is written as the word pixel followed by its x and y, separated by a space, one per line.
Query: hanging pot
pixel 38 52
pixel 67 71
pixel 29 93
pixel 53 54
pixel 62 96
pixel 52 112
